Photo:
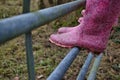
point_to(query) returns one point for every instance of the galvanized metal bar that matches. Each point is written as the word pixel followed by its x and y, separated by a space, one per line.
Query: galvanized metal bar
pixel 26 6
pixel 85 67
pixel 15 26
pixel 94 69
pixel 30 57
pixel 28 43
pixel 61 69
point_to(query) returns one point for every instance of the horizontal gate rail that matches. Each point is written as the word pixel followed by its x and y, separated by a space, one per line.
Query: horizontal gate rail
pixel 61 69
pixel 15 26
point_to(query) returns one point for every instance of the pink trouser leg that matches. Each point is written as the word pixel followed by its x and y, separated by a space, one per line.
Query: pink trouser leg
pixel 94 30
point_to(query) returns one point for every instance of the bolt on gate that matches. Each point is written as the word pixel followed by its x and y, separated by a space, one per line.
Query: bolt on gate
pixel 25 23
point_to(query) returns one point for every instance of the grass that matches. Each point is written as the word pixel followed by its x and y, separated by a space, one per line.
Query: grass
pixel 47 56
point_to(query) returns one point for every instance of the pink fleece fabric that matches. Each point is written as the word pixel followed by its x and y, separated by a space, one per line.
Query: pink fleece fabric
pixel 94 29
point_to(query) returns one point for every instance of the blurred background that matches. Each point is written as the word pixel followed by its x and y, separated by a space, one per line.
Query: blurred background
pixel 47 55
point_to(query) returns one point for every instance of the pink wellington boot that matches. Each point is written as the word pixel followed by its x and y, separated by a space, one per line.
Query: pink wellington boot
pixel 94 30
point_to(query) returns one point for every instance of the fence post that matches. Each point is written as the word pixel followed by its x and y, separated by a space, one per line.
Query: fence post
pixel 28 43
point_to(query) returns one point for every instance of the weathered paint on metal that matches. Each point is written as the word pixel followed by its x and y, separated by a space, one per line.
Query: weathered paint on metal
pixel 15 26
